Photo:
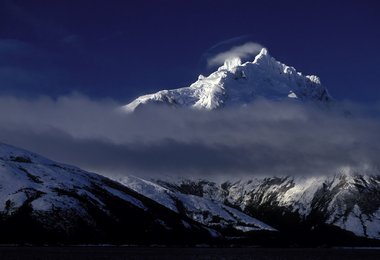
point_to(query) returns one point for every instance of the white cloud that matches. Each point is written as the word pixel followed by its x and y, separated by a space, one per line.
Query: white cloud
pixel 241 51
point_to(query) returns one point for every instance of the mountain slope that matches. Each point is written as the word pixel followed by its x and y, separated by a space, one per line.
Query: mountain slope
pixel 209 212
pixel 347 200
pixel 235 83
pixel 42 201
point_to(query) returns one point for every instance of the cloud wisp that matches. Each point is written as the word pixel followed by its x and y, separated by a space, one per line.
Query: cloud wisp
pixel 241 51
pixel 265 138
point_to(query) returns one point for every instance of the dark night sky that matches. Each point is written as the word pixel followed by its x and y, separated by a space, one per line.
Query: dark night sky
pixel 120 49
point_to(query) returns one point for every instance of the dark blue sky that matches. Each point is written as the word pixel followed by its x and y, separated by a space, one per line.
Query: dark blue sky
pixel 121 49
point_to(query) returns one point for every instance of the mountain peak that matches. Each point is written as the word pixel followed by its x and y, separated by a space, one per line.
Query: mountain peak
pixel 237 84
pixel 262 53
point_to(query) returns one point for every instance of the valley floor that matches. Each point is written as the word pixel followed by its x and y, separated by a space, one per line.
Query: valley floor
pixel 111 252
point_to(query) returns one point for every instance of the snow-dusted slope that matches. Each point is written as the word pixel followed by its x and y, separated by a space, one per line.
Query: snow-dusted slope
pixel 235 83
pixel 28 177
pixel 210 212
pixel 347 200
pixel 45 201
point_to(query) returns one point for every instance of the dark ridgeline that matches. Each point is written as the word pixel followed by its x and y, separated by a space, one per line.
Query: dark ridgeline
pixel 56 204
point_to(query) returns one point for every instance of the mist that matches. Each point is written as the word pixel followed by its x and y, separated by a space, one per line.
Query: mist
pixel 266 138
pixel 242 51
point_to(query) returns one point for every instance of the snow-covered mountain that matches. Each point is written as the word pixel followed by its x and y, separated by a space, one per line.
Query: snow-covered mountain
pixel 207 211
pixel 347 201
pixel 42 201
pixel 235 83
pixel 343 206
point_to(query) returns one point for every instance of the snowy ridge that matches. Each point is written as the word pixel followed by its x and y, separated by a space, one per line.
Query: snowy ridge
pixel 347 200
pixel 206 211
pixel 235 83
pixel 42 200
pixel 34 176
pixel 151 190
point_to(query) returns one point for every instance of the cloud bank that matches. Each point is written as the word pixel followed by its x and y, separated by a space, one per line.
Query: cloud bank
pixel 241 51
pixel 265 138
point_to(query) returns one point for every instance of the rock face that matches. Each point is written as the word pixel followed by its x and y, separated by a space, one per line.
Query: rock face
pixel 42 201
pixel 347 202
pixel 236 84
